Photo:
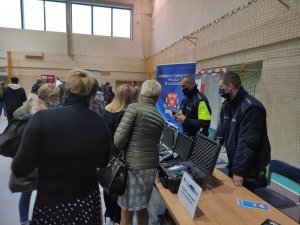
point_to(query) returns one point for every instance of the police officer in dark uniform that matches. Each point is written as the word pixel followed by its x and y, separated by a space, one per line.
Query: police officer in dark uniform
pixel 243 130
pixel 195 112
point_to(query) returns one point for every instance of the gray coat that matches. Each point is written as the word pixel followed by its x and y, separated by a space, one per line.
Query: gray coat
pixel 138 134
pixel 31 106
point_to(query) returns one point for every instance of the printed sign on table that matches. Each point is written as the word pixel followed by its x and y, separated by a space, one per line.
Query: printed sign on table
pixel 189 193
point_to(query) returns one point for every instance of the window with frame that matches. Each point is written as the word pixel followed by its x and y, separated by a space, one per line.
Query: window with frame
pixel 104 20
pixel 10 14
pixel 121 23
pixel 55 15
pixel 33 14
pixel 81 19
pixel 50 15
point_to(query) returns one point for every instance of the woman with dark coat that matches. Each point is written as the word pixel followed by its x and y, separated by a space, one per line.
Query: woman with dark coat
pixel 47 96
pixel 113 114
pixel 66 144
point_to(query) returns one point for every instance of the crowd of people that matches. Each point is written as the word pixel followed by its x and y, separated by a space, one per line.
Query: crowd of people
pixel 77 125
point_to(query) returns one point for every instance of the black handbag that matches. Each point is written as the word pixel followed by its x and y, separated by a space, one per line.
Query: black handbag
pixel 113 178
pixel 11 137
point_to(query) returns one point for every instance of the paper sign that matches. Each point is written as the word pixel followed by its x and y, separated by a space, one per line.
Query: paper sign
pixel 189 193
pixel 253 205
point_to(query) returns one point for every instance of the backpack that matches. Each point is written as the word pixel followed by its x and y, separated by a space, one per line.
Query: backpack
pixel 11 137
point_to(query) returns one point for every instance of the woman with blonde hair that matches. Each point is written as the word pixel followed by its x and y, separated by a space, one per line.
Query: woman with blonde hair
pixel 66 144
pixel 113 114
pixel 124 96
pixel 47 96
pixel 50 94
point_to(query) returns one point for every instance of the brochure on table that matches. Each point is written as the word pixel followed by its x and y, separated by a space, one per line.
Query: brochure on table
pixel 189 193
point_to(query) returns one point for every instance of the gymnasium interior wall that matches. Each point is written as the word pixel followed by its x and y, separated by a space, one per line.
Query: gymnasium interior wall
pixel 213 33
pixel 117 59
pixel 238 33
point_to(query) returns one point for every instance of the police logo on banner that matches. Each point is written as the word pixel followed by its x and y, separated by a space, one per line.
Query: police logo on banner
pixel 169 78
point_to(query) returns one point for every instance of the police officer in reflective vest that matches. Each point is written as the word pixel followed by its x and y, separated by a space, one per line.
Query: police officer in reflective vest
pixel 195 112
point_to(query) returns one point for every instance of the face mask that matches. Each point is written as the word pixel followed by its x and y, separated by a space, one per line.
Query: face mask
pixel 223 94
pixel 187 92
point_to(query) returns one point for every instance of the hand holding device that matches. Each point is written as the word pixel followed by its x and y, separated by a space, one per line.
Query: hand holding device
pixel 179 117
pixel 174 113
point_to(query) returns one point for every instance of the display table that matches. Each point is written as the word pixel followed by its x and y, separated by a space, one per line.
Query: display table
pixel 218 205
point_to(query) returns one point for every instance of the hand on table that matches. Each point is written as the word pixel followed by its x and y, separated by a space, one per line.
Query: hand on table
pixel 237 180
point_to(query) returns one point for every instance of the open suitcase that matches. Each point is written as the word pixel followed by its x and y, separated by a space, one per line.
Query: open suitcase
pixel 183 147
pixel 181 150
pixel 200 164
pixel 166 145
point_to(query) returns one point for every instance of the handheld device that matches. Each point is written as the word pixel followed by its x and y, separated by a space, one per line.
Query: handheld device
pixel 174 112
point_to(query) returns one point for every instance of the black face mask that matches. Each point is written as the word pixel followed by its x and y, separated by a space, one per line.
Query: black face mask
pixel 187 92
pixel 223 94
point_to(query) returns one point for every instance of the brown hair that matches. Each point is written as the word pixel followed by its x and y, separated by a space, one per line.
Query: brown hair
pixel 231 78
pixel 14 80
pixel 124 96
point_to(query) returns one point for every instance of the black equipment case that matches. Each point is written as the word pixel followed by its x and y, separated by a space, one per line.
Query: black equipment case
pixel 181 150
pixel 166 145
pixel 200 164
pixel 183 147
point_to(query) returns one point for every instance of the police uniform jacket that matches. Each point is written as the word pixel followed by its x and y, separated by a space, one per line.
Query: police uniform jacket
pixel 243 129
pixel 197 113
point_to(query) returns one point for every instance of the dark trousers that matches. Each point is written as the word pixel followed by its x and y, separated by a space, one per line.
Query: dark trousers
pixel 10 113
pixel 113 210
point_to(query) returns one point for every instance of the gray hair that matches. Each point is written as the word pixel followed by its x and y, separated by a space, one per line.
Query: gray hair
pixel 151 89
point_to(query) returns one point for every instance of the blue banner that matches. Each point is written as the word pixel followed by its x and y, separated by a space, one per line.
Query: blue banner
pixel 169 78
